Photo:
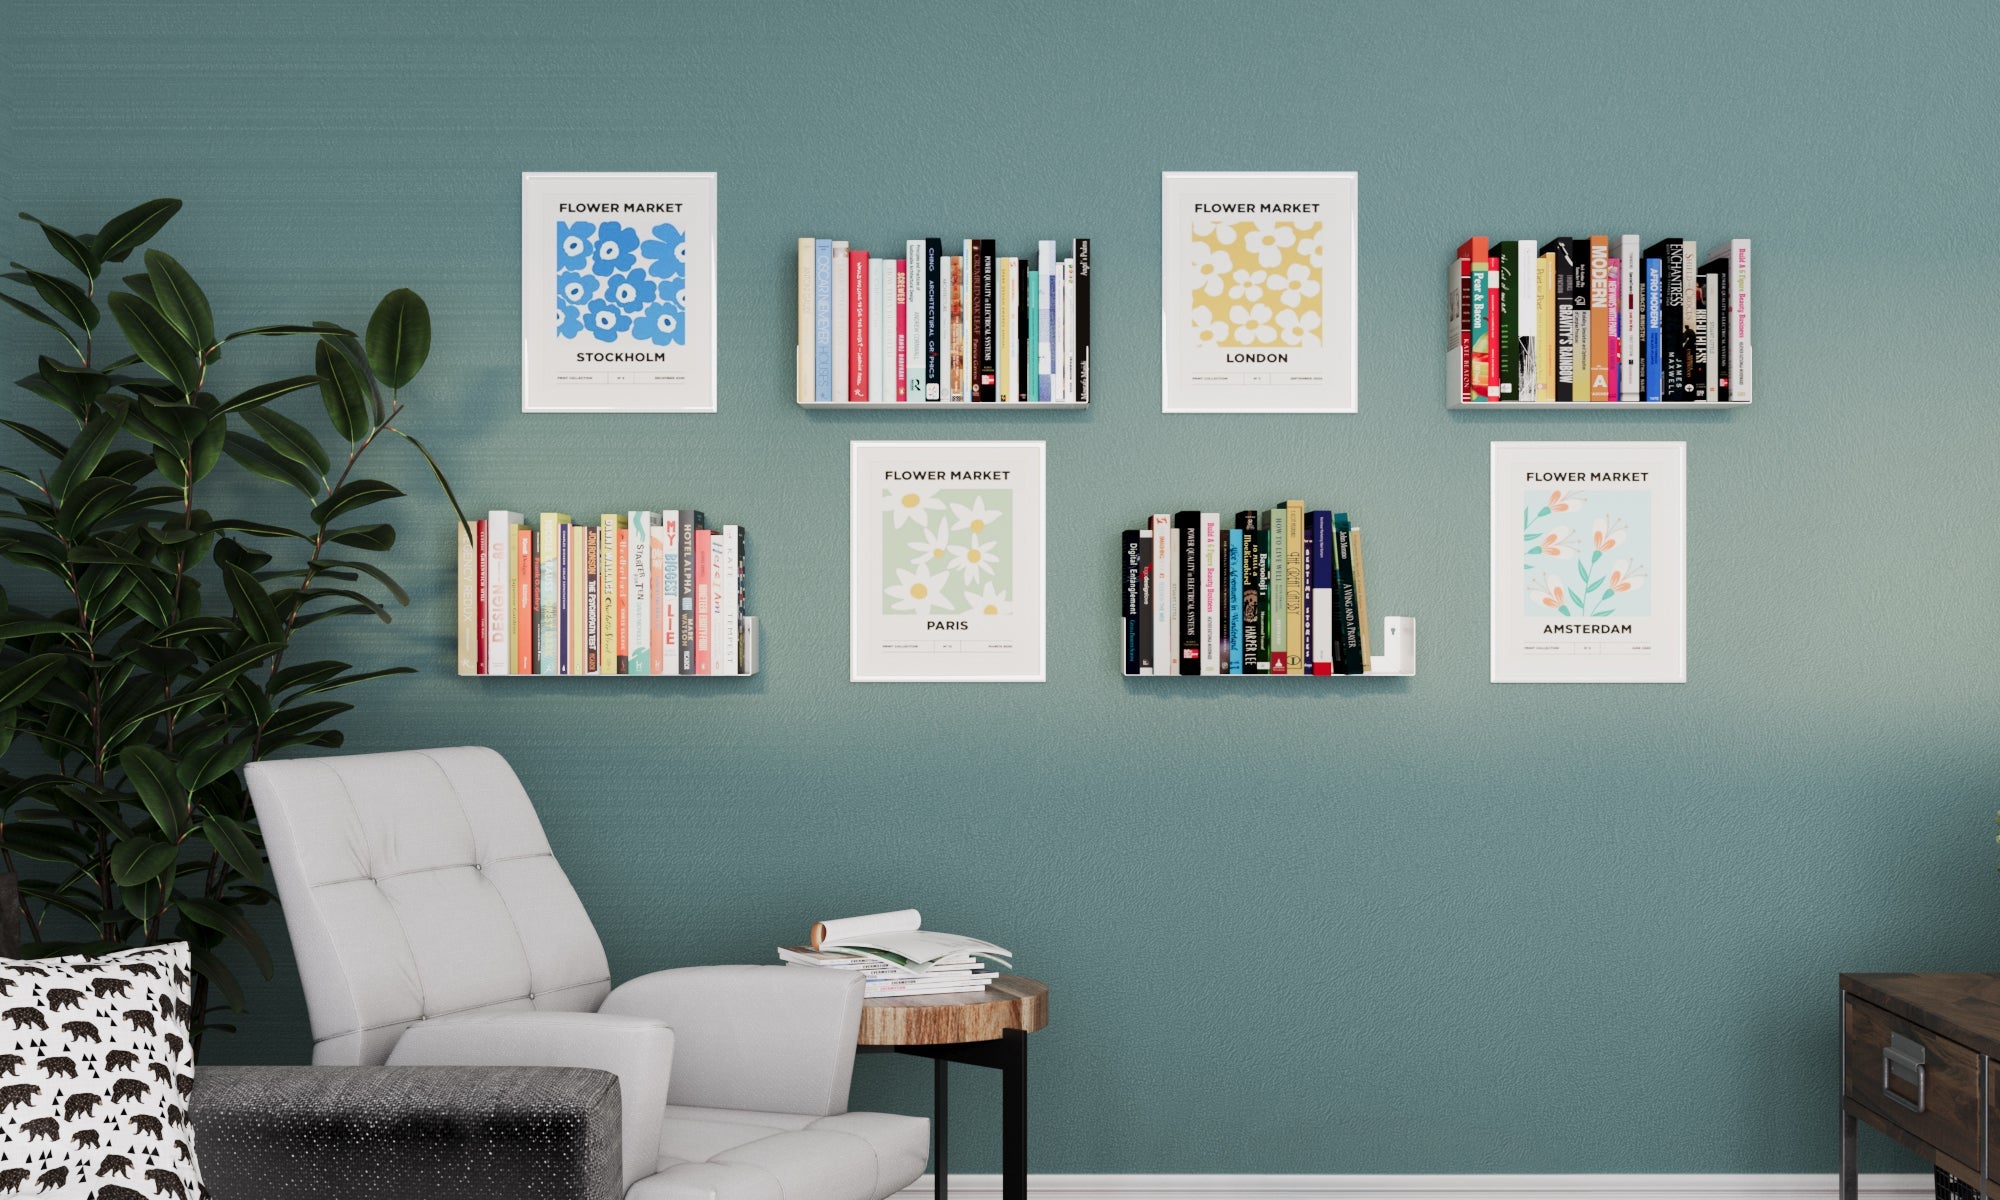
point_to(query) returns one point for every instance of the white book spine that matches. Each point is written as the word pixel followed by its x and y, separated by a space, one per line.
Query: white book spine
pixel 842 389
pixel 1045 370
pixel 1069 330
pixel 1211 593
pixel 805 345
pixel 1163 601
pixel 1631 353
pixel 913 322
pixel 500 585
pixel 638 593
pixel 1057 393
pixel 885 328
pixel 1735 259
pixel 669 533
pixel 874 331
pixel 968 292
pixel 1525 289
pixel 1711 324
pixel 724 645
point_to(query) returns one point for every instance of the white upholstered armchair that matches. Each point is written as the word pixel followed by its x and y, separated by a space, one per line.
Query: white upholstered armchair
pixel 433 926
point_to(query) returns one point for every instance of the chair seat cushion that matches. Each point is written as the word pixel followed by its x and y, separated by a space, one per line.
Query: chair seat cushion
pixel 725 1154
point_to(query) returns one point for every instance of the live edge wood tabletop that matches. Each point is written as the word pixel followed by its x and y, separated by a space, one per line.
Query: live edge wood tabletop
pixel 1920 1061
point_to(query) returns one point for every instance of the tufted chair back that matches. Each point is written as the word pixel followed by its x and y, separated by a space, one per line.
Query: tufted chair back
pixel 419 884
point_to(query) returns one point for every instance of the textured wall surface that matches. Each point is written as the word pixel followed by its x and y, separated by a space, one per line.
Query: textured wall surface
pixel 1423 925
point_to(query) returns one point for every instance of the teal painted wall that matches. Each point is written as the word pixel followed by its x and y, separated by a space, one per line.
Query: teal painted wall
pixel 1434 925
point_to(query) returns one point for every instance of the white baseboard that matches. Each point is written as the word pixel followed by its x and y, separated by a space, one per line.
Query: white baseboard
pixel 1432 1187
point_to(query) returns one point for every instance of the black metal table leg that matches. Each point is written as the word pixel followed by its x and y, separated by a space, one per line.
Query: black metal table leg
pixel 1014 1115
pixel 940 1109
pixel 1850 1178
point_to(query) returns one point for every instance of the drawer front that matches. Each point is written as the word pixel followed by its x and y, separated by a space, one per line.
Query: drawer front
pixel 1917 1079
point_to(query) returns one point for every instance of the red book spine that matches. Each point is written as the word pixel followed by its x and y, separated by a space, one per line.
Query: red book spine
pixel 479 537
pixel 1493 325
pixel 702 583
pixel 857 330
pixel 1471 249
pixel 524 602
pixel 902 330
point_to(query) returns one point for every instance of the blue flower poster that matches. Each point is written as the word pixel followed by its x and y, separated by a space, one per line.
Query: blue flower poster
pixel 618 292
pixel 1589 570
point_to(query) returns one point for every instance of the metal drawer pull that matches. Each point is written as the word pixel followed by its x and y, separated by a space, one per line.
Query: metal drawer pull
pixel 1904 1059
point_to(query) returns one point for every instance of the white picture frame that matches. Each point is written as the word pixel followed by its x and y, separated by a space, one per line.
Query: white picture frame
pixel 599 331
pixel 948 562
pixel 1285 355
pixel 1589 562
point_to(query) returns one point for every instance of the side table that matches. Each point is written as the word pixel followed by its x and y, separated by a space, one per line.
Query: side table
pixel 981 1029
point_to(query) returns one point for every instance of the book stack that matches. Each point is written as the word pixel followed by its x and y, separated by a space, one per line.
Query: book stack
pixel 1598 320
pixel 1276 592
pixel 635 593
pixel 936 328
pixel 896 956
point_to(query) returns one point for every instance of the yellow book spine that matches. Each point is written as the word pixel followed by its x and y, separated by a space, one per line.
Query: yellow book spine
pixel 1545 329
pixel 1600 320
pixel 1360 597
pixel 468 602
pixel 608 526
pixel 577 591
pixel 1295 583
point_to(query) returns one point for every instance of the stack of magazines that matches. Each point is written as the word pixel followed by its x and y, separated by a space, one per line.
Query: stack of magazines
pixel 896 956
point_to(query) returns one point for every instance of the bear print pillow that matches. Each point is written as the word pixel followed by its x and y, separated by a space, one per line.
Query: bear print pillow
pixel 95 1076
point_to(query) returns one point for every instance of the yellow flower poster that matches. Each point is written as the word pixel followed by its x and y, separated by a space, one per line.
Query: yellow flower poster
pixel 1589 570
pixel 948 559
pixel 1258 292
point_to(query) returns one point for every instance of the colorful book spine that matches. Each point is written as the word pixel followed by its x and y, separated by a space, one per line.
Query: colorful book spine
pixel 1348 632
pixel 468 600
pixel 1295 580
pixel 804 350
pixel 1069 331
pixel 823 316
pixel 1599 370
pixel 913 320
pixel 1003 319
pixel 548 650
pixel 704 550
pixel 842 328
pixel 1166 597
pixel 621 565
pixel 1654 381
pixel 499 590
pixel 724 640
pixel 1482 335
pixel 1146 601
pixel 1733 261
pixel 1363 661
pixel 573 562
pixel 903 343
pixel 1080 328
pixel 1045 326
pixel 672 629
pixel 593 601
pixel 1276 627
pixel 1631 286
pixel 1211 593
pixel 1614 359
pixel 1545 328
pixel 482 596
pixel 522 625
pixel 955 327
pixel 858 286
pixel 659 649
pixel 607 594
pixel 1187 530
pixel 1675 298
pixel 1325 620
pixel 1309 653
pixel 1233 591
pixel 691 521
pixel 1462 342
pixel 639 592
pixel 1256 577
pixel 1507 319
pixel 1527 325
pixel 936 346
pixel 1707 327
pixel 1128 597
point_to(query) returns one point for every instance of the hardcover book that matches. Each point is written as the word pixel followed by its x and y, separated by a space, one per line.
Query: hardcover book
pixel 1295 579
pixel 1187 528
pixel 1322 656
pixel 1276 628
pixel 1166 597
pixel 1508 341
pixel 1256 577
pixel 1564 250
pixel 1599 283
pixel 548 605
pixel 1080 331
pixel 1352 658
pixel 704 586
pixel 937 349
pixel 1129 576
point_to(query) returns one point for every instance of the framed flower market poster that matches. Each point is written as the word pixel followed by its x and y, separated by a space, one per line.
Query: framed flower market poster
pixel 1257 301
pixel 948 558
pixel 617 292
pixel 1589 566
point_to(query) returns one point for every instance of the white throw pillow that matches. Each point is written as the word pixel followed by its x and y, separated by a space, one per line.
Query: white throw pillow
pixel 95 1076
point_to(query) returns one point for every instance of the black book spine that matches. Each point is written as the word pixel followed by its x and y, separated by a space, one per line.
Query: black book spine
pixel 1309 653
pixel 933 257
pixel 1704 337
pixel 1128 592
pixel 1146 601
pixel 1254 569
pixel 1566 294
pixel 1187 527
pixel 984 312
pixel 1673 300
pixel 1719 336
pixel 1348 615
pixel 1024 354
pixel 1082 251
pixel 1263 600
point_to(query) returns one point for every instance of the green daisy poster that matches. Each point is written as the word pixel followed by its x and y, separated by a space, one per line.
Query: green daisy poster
pixel 947 562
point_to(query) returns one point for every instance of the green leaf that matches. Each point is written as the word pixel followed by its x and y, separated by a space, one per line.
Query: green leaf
pixel 232 841
pixel 131 229
pixel 252 604
pixel 258 529
pixel 264 393
pixel 42 440
pixel 343 388
pixel 212 969
pixel 36 314
pixel 223 919
pixel 24 680
pixel 157 343
pixel 399 337
pixel 329 593
pixel 297 719
pixel 444 483
pixel 260 459
pixel 153 775
pixel 208 446
pixel 364 537
pixel 70 246
pixel 71 302
pixel 139 860
pixel 199 768
pixel 48 842
pixel 288 438
pixel 180 300
pixel 86 451
pixel 356 493
pixel 316 329
pixel 32 627
pixel 349 680
pixel 381 576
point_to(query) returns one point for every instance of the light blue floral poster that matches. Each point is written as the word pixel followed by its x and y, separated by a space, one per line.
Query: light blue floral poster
pixel 618 292
pixel 1589 571
pixel 948 561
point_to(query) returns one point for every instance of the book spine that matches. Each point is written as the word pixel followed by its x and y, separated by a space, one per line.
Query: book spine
pixel 1742 356
pixel 621 566
pixel 704 576
pixel 1364 660
pixel 1233 591
pixel 1080 351
pixel 1255 574
pixel 968 308
pixel 1653 365
pixel 565 604
pixel 1276 628
pixel 1706 329
pixel 1003 319
pixel 823 320
pixel 658 648
pixel 468 600
pixel 1482 337
pixel 500 590
pixel 913 320
pixel 1187 531
pixel 1307 659
pixel 638 593
pixel 840 324
pixel 1614 362
pixel 1128 596
pixel 523 617
pixel 1507 319
pixel 1295 579
pixel 804 350
pixel 690 522
pixel 955 331
pixel 673 627
pixel 1682 305
pixel 1033 370
pixel 1545 328
pixel 1719 329
pixel 1069 331
pixel 1564 268
pixel 548 605
pixel 1631 360
pixel 1353 660
pixel 725 641
pixel 1045 299
pixel 1527 327
pixel 593 601
pixel 1146 601
pixel 607 594
pixel 1165 597
pixel 988 315
pixel 1599 282
pixel 1326 646
pixel 936 347
pixel 1211 593
pixel 873 391
pixel 482 598
pixel 858 284
pixel 902 391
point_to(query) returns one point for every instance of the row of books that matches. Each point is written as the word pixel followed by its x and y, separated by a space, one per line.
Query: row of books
pixel 1584 319
pixel 896 956
pixel 636 593
pixel 1277 592
pixel 930 327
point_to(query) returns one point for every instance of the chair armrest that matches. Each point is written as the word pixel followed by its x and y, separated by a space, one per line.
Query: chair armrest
pixel 639 1051
pixel 771 1039
pixel 401 1133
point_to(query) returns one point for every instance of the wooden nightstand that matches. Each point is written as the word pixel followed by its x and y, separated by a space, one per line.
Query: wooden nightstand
pixel 1920 1061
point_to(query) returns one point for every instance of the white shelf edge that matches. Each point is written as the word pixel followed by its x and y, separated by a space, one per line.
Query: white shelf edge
pixel 940 406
